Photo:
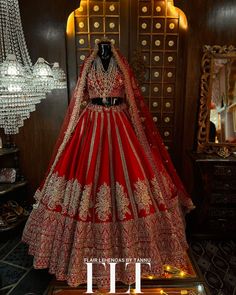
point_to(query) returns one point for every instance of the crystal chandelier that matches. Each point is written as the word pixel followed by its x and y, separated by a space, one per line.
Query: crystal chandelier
pixel 22 84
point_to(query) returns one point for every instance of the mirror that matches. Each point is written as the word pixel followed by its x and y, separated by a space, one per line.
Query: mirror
pixel 217 114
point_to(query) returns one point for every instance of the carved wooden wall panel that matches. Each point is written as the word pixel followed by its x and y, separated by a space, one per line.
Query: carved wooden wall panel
pixel 151 27
pixel 93 20
pixel 157 39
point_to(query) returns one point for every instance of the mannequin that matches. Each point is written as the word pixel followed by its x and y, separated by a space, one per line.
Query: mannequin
pixel 105 53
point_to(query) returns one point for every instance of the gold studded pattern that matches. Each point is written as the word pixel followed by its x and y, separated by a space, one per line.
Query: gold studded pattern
pixel 112 7
pixel 111 25
pixel 144 26
pixel 158 41
pixel 168 104
pixel 144 42
pixel 96 8
pixel 96 19
pixel 144 9
pixel 81 25
pixel 166 133
pixel 155 89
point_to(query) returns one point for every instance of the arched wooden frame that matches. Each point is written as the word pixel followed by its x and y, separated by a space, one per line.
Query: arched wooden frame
pixel 203 144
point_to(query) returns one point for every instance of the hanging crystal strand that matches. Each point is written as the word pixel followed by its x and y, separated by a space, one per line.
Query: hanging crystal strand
pixel 59 76
pixel 2 18
pixel 22 43
pixel 13 30
pixel 8 33
pixel 5 39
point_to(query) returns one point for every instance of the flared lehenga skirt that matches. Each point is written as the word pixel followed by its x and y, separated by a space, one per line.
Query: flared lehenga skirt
pixel 103 200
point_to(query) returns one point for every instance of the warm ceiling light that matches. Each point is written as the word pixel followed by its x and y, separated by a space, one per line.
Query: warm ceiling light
pixel 176 12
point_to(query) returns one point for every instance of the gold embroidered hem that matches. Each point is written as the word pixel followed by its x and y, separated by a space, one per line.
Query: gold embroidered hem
pixel 62 243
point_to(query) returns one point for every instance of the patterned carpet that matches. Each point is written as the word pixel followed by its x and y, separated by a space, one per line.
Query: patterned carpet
pixel 17 277
pixel 216 259
pixel 217 262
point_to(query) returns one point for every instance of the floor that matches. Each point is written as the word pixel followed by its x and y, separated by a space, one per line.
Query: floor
pixel 17 276
pixel 217 262
pixel 216 259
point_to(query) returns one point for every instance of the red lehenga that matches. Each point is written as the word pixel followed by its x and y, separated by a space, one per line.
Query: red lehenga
pixel 111 190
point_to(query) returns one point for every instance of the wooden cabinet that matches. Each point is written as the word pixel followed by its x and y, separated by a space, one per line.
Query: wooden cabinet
pixel 214 196
pixel 11 191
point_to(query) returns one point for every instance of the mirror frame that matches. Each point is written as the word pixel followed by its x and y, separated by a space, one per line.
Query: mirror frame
pixel 203 145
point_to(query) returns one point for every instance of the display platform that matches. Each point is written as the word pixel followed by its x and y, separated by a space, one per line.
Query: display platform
pixel 174 282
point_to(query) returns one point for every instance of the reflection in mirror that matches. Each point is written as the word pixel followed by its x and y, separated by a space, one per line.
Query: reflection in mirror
pixel 222 126
pixel 217 109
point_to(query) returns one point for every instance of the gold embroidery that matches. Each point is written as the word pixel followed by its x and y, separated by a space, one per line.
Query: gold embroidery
pixel 138 159
pixel 99 154
pixel 68 194
pixel 113 196
pixel 157 189
pixel 162 235
pixel 122 201
pixel 85 202
pixel 125 170
pixel 168 201
pixel 54 192
pixel 92 142
pixel 161 242
pixel 142 195
pixel 72 198
pixel 168 184
pixel 103 204
pixel 38 195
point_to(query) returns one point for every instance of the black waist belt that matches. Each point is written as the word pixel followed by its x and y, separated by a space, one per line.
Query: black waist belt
pixel 108 101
